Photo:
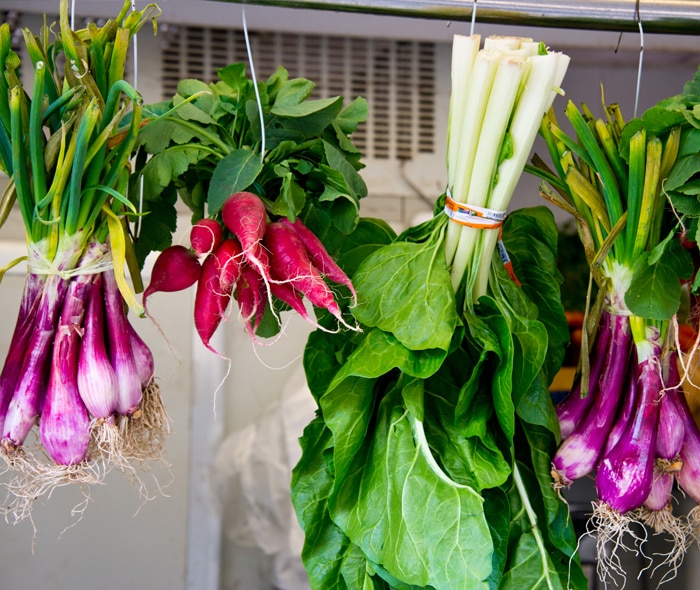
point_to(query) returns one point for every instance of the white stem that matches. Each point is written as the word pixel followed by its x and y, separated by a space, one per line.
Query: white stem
pixel 464 51
pixel 533 102
pixel 532 517
pixel 482 78
pixel 496 117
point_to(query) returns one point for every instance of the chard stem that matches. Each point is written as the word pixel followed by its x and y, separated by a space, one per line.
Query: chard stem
pixel 532 517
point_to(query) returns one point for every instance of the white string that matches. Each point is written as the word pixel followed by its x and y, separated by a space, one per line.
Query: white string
pixel 72 14
pixel 641 59
pixel 471 32
pixel 136 50
pixel 255 85
pixel 136 76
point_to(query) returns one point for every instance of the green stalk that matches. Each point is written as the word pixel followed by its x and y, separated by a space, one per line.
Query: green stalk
pixel 635 197
pixel 668 159
pixel 19 159
pixel 84 134
pixel 65 102
pixel 36 133
pixel 599 163
pixel 5 49
pixel 96 52
pixel 115 72
pixel 650 196
pixel 609 144
pixel 5 151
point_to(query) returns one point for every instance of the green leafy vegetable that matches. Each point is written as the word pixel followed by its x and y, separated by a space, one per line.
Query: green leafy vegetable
pixel 206 144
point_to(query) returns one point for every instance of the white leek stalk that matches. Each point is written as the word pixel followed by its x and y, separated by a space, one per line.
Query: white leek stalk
pixel 511 86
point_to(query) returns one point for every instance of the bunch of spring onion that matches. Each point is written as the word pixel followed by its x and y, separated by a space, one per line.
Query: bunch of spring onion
pixel 77 377
pixel 625 419
pixel 496 93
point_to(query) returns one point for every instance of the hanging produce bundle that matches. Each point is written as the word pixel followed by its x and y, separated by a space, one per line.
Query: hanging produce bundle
pixel 428 464
pixel 76 373
pixel 626 419
pixel 269 204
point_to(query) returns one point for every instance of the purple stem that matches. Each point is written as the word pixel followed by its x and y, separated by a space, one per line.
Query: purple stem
pixel 626 474
pixel 25 406
pixel 578 454
pixel 65 422
pixel 573 409
pixel 120 351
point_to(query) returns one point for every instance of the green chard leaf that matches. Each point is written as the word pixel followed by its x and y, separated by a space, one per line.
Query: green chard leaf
pixel 406 516
pixel 405 289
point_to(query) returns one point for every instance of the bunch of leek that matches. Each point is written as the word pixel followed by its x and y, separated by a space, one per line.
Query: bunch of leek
pixel 75 365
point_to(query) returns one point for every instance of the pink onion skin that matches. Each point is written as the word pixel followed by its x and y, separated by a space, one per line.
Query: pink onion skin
pixel 625 475
pixel 661 492
pixel 689 474
pixel 120 351
pixel 12 367
pixel 578 454
pixel 65 422
pixel 671 426
pixel 573 408
pixel 28 398
pixel 629 406
pixel 97 381
pixel 143 357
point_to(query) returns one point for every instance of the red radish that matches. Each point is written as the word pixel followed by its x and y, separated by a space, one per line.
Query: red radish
pixel 319 255
pixel 175 269
pixel 228 256
pixel 250 292
pixel 205 236
pixel 210 301
pixel 245 216
pixel 289 262
pixel 289 295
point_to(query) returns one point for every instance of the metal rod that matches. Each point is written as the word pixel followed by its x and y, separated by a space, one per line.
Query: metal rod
pixel 658 16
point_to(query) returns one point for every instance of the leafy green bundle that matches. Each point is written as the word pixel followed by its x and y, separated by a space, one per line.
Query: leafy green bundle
pixel 206 144
pixel 428 464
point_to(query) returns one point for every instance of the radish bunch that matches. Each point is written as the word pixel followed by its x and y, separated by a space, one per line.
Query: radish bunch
pixel 253 260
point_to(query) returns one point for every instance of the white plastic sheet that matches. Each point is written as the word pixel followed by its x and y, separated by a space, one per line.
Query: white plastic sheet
pixel 251 476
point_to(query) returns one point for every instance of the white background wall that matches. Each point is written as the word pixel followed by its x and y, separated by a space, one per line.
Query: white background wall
pixel 175 541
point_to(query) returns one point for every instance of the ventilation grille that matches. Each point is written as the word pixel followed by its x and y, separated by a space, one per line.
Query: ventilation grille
pixel 396 77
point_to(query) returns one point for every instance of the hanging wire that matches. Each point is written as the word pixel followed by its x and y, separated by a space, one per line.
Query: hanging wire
pixel 255 85
pixel 641 56
pixel 471 32
pixel 139 217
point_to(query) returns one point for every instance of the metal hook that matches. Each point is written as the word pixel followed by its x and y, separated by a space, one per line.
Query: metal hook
pixel 641 55
pixel 471 32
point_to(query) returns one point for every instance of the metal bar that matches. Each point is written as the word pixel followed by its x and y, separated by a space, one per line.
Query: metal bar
pixel 658 16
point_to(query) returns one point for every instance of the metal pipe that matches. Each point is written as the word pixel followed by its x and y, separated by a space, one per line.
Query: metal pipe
pixel 658 16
